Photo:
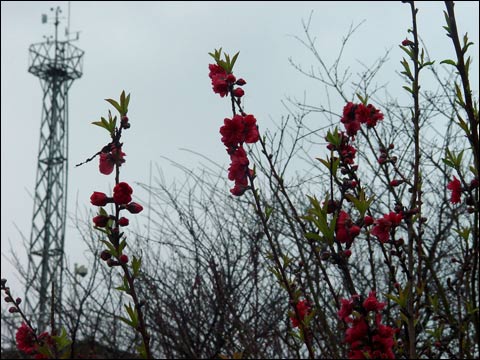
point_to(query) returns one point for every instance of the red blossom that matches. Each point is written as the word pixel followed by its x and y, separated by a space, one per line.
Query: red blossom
pixel 303 308
pixel 346 309
pixel 221 81
pixel 367 336
pixel 345 229
pixel 456 187
pixel 375 116
pixel 122 193
pixel 25 338
pixel 383 226
pixel 239 166
pixel 238 130
pixel 371 303
pixel 99 199
pixel 232 131
pixel 110 159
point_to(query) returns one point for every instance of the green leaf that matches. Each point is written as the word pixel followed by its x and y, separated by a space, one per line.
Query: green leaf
pixel 122 245
pixel 115 104
pixel 449 62
pixel 313 236
pixel 136 264
pixel 361 203
pixel 110 247
pixel 99 123
pixel 128 322
pixel 407 50
pixel 234 59
pixel 268 212
pixel 408 89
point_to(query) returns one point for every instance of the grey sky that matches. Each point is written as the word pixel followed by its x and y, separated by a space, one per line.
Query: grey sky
pixel 158 52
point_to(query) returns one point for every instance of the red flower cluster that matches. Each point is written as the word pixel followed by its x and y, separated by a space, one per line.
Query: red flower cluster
pixel 384 225
pixel 235 131
pixel 456 187
pixel 345 229
pixel 367 336
pixel 26 342
pixel 108 160
pixel 356 114
pixel 303 309
pixel 122 196
pixel 238 130
pixel 222 83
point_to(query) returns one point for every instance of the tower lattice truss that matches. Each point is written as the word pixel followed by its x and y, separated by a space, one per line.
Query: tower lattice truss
pixel 57 64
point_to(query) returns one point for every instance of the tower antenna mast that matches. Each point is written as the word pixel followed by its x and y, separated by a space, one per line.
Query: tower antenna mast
pixel 57 64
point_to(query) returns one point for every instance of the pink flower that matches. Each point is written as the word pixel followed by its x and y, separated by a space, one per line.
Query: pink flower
pixel 456 187
pixel 303 309
pixel 99 199
pixel 25 339
pixel 122 193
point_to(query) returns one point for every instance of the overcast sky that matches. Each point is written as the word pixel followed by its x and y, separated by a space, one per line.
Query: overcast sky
pixel 158 52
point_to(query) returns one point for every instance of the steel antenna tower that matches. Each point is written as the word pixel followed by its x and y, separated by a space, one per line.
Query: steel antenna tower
pixel 57 64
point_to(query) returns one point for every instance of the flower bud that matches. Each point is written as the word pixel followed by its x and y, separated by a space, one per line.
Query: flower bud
pixel 99 199
pixel 100 220
pixel 134 208
pixel 240 82
pixel 18 301
pixel 105 255
pixel 238 92
pixel 396 182
pixel 368 220
pixel 347 253
pixel 12 310
pixel 8 299
pixel 474 183
pixel 230 78
pixel 123 221
pixel 123 259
